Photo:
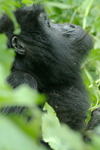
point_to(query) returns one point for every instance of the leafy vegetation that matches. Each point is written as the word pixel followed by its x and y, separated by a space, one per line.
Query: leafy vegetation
pixel 15 132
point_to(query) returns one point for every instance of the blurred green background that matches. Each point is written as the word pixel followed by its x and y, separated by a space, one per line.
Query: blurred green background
pixel 16 133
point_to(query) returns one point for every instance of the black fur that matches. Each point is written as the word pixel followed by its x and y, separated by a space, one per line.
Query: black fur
pixel 48 58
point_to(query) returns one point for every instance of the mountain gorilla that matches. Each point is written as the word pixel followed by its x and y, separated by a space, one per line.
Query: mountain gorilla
pixel 48 58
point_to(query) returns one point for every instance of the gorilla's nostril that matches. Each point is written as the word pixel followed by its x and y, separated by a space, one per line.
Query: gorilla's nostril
pixel 72 26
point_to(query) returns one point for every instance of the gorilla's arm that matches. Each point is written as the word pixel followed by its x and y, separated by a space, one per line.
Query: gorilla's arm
pixel 19 77
pixel 15 79
pixel 95 119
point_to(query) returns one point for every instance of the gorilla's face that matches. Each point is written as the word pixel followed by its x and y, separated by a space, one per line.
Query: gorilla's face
pixel 71 35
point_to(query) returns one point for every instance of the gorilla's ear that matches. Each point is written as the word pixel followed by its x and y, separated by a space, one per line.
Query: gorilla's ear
pixel 18 45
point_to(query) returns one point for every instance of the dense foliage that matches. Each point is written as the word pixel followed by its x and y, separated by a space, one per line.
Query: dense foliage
pixel 15 132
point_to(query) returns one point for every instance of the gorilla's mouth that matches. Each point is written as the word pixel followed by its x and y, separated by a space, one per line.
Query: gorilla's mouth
pixel 82 38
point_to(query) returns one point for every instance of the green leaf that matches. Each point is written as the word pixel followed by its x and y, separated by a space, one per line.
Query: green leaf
pixel 60 5
pixel 6 59
pixel 13 138
pixel 59 137
pixel 23 96
pixel 97 24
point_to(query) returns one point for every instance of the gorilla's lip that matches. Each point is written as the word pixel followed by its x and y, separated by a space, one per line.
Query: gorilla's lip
pixel 82 38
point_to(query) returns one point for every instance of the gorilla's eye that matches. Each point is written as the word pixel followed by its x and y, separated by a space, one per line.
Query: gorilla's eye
pixel 45 18
pixel 72 26
pixel 47 22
